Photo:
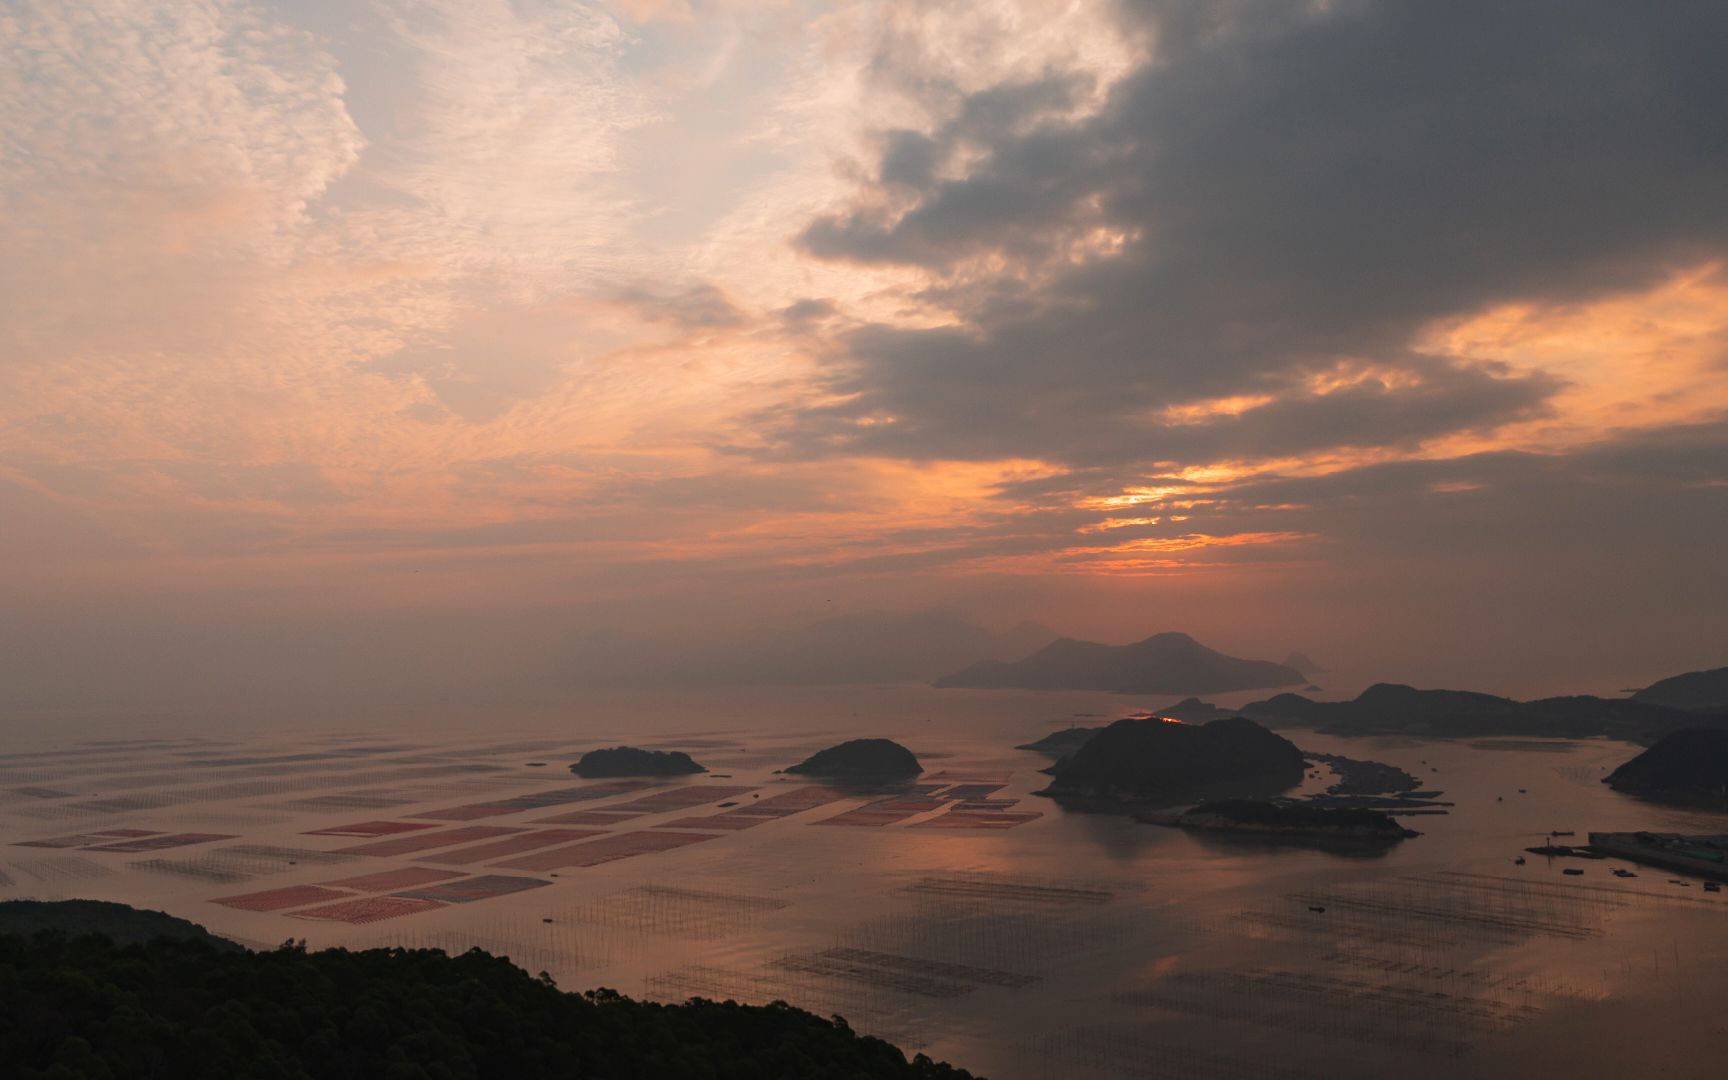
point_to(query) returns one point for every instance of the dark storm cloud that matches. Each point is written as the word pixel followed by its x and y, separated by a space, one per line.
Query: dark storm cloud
pixel 1291 189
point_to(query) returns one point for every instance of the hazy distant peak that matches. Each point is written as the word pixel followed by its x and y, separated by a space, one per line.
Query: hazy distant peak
pixel 1165 663
pixel 1693 690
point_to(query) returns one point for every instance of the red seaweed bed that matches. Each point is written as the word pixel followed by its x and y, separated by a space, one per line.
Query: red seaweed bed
pixel 277 899
pixel 959 800
pixel 513 845
pixel 134 840
pixel 404 845
pixel 369 909
pixel 391 880
pixel 587 817
pixel 371 828
pixel 482 887
pixel 610 849
pixel 86 839
pixel 538 800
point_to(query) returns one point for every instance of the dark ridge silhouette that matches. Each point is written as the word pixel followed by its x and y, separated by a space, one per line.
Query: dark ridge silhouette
pixel 1391 708
pixel 1061 743
pixel 118 923
pixel 1293 819
pixel 1688 766
pixel 1193 710
pixel 1168 663
pixel 861 759
pixel 82 1006
pixel 629 761
pixel 1693 690
pixel 1150 760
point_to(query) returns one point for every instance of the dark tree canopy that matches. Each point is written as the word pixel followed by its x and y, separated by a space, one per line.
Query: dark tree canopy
pixel 81 1007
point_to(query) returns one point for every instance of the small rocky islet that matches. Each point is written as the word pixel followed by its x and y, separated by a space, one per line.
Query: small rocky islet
pixel 632 761
pixel 860 759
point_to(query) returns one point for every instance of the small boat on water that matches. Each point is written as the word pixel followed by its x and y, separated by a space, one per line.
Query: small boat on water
pixel 1562 832
pixel 1624 873
pixel 1572 871
pixel 1711 886
pixel 1519 861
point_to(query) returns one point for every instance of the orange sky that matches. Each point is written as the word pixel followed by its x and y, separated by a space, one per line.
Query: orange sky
pixel 633 313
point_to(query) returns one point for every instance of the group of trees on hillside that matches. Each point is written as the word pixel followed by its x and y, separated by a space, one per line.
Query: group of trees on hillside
pixel 76 1007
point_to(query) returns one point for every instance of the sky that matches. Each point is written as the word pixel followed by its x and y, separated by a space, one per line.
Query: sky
pixel 357 350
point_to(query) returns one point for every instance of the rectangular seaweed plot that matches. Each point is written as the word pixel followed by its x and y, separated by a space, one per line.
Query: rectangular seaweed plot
pixel 751 814
pixel 481 887
pixel 404 845
pixel 695 913
pixel 158 843
pixel 609 849
pixel 792 801
pixel 970 792
pixel 967 776
pixel 716 822
pixel 368 909
pixel 978 819
pixel 884 812
pixel 276 858
pixel 534 801
pixel 407 877
pixel 104 836
pixel 513 845
pixel 277 899
pixel 346 802
pixel 371 828
pixel 603 818
pixel 681 798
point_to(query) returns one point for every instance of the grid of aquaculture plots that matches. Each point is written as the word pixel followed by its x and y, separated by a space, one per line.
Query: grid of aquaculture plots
pixel 348 831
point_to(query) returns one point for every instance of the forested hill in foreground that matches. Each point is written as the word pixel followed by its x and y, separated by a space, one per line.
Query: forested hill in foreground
pixel 182 1009
pixel 119 923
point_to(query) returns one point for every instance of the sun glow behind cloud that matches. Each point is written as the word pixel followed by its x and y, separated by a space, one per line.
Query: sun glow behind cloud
pixel 597 301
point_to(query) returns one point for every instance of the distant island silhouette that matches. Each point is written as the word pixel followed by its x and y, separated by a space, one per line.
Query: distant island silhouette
pixel 630 761
pixel 1393 708
pixel 1282 819
pixel 861 759
pixel 1693 690
pixel 1168 663
pixel 1688 767
pixel 1149 761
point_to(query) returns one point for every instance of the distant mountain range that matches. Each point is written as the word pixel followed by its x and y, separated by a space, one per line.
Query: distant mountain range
pixel 1168 663
pixel 1388 707
pixel 1693 690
